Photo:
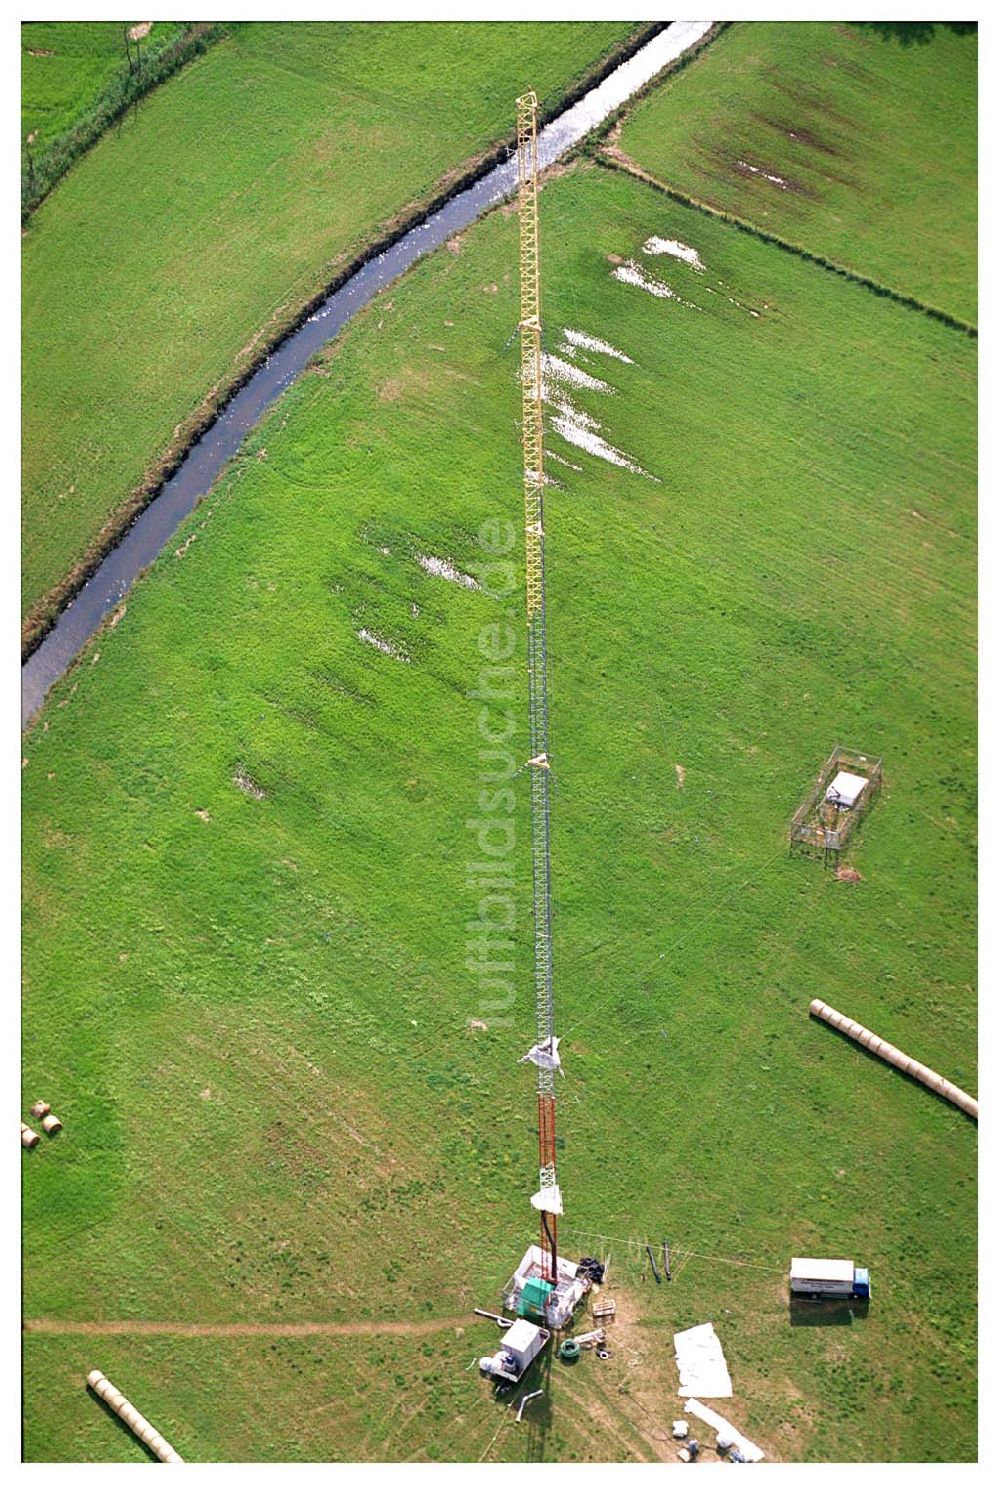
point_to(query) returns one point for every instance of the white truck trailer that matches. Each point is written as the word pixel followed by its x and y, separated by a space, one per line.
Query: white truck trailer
pixel 828 1278
pixel 518 1349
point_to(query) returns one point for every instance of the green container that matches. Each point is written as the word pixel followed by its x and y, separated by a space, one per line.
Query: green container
pixel 533 1297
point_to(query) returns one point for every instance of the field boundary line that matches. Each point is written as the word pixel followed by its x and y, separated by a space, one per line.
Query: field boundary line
pixel 611 157
pixel 53 1325
pixel 283 322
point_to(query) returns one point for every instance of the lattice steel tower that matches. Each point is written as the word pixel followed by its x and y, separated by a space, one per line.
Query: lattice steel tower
pixel 545 1053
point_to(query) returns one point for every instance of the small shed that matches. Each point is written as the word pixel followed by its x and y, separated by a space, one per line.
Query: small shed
pixel 846 789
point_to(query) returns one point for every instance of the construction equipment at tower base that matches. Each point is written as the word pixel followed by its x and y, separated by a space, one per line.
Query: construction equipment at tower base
pixel 518 1349
pixel 532 1294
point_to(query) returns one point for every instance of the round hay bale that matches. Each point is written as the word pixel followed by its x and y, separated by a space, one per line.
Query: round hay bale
pixel 29 1137
pixel 51 1124
pixel 40 1109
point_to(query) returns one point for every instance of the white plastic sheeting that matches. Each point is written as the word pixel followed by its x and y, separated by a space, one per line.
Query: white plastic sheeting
pixel 702 1366
pixel 545 1055
pixel 722 1426
pixel 549 1199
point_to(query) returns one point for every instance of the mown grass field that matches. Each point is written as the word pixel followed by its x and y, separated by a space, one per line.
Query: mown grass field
pixel 873 141
pixel 252 1013
pixel 170 253
pixel 66 64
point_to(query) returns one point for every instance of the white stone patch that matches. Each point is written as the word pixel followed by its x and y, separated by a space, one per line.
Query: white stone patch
pixel 375 640
pixel 576 426
pixel 656 246
pixel 633 273
pixel 560 460
pixel 564 371
pixel 776 180
pixel 755 313
pixel 584 433
pixel 441 567
pixel 592 343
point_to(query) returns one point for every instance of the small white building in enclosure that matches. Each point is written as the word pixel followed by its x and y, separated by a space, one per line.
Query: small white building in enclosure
pixel 846 789
pixel 560 1302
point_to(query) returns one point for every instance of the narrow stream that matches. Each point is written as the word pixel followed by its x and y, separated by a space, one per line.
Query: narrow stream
pixel 197 473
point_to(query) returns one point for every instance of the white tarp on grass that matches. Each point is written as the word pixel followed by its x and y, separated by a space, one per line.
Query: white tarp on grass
pixel 725 1430
pixel 700 1361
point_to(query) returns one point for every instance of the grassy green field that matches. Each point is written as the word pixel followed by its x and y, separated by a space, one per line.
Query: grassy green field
pixel 64 67
pixel 839 139
pixel 182 241
pixel 252 1013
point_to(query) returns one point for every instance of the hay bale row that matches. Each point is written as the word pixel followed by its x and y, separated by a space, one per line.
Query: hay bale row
pixel 895 1057
pixel 132 1418
pixel 50 1123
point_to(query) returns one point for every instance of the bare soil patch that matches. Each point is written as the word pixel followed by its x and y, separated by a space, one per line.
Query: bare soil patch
pixel 44 1325
pixel 249 786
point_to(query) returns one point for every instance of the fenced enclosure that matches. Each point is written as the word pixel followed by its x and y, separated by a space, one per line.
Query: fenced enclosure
pixel 825 826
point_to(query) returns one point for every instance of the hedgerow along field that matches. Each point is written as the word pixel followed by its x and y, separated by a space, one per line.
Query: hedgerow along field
pixel 178 247
pixel 254 1010
pixel 65 65
pixel 855 142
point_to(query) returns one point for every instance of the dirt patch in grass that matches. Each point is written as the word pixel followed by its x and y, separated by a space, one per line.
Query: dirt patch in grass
pixel 52 1326
pixel 806 99
pixel 798 132
pixel 753 168
pixel 248 785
